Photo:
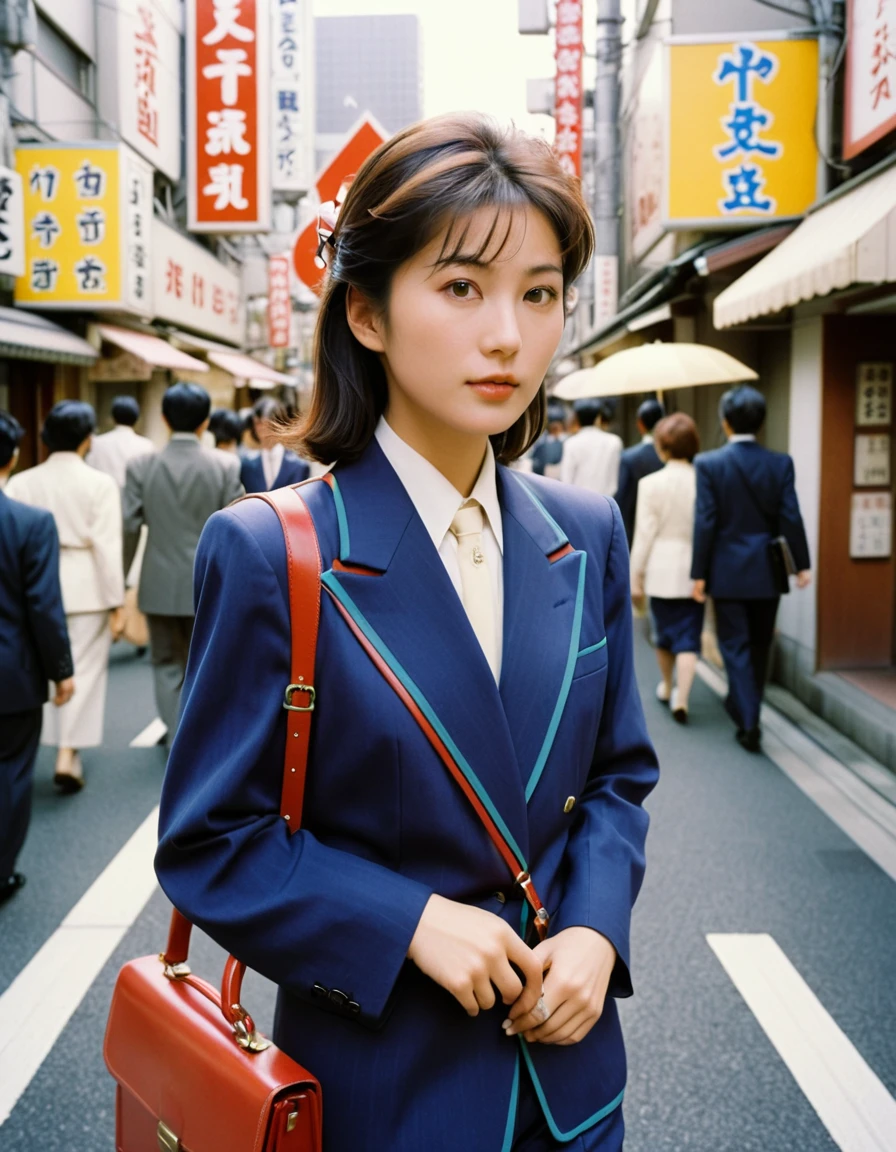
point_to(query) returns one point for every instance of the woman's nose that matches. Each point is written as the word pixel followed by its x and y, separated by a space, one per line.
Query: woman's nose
pixel 502 333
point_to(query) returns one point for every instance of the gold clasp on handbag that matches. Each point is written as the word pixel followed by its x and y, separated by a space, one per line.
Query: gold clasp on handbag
pixel 291 689
pixel 175 971
pixel 249 1041
pixel 168 1142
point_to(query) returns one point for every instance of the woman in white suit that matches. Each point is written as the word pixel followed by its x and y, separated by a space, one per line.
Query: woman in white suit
pixel 661 559
pixel 86 506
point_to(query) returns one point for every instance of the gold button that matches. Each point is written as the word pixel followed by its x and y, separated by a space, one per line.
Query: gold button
pixel 500 897
pixel 570 804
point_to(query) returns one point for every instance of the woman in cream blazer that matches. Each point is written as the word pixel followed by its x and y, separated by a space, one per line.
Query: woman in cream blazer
pixel 86 506
pixel 661 559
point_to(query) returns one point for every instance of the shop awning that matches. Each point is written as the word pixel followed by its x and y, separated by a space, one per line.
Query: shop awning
pixel 25 336
pixel 150 349
pixel 850 238
pixel 248 368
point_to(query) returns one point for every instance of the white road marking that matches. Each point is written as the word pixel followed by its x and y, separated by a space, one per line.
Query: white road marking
pixel 851 1102
pixel 41 1000
pixel 856 808
pixel 150 736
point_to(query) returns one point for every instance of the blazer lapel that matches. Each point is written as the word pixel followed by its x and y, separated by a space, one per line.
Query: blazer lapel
pixel 392 580
pixel 544 587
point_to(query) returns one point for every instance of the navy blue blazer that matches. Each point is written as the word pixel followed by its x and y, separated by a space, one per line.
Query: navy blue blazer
pixel 34 647
pixel 292 470
pixel 634 464
pixel 385 826
pixel 732 530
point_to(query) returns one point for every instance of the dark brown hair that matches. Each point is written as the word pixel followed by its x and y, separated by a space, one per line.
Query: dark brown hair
pixel 677 434
pixel 430 177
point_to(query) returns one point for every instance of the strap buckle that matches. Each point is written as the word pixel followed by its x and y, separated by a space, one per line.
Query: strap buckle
pixel 291 689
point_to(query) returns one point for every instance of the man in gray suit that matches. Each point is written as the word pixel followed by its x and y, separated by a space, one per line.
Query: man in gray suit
pixel 174 492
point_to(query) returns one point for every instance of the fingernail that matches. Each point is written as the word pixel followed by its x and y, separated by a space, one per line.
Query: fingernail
pixel 506 1023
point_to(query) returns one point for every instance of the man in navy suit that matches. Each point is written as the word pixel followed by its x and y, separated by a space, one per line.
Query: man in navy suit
pixel 638 462
pixel 745 498
pixel 34 649
pixel 274 466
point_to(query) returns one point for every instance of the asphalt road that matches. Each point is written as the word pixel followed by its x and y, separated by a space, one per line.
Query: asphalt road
pixel 734 847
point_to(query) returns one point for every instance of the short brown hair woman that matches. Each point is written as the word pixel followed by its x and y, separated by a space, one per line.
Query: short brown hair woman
pixel 410 981
pixel 661 559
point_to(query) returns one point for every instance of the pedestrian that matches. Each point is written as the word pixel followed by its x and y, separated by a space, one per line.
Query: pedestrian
pixel 227 428
pixel 86 508
pixel 637 462
pixel 274 466
pixel 500 601
pixel 111 451
pixel 661 559
pixel 547 451
pixel 34 650
pixel 745 502
pixel 173 493
pixel 591 455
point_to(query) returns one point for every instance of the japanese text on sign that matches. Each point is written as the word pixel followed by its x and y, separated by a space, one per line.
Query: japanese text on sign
pixel 227 115
pixel 870 74
pixel 872 462
pixel 12 238
pixel 290 146
pixel 874 395
pixel 279 308
pixel 568 86
pixel 871 526
pixel 146 57
pixel 741 130
pixel 193 289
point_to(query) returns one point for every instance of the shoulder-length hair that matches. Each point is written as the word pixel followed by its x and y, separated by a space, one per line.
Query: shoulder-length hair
pixel 429 178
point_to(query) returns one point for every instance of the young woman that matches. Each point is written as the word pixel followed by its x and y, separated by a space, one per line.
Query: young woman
pixel 661 559
pixel 409 981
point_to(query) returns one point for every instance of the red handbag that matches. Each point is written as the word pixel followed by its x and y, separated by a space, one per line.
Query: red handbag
pixel 192 1072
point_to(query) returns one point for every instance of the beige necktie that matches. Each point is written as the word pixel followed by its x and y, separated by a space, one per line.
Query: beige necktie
pixel 474 577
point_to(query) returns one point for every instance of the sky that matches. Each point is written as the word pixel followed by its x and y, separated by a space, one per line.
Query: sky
pixel 473 56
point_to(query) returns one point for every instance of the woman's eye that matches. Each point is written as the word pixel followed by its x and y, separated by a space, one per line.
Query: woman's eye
pixel 542 295
pixel 461 289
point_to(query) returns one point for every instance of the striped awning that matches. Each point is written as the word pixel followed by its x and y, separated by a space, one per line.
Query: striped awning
pixel 27 336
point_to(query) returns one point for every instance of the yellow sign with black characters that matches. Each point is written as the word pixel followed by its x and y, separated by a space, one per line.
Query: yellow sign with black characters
pixel 741 131
pixel 88 227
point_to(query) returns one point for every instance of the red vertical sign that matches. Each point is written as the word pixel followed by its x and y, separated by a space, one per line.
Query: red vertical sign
pixel 568 86
pixel 228 151
pixel 279 309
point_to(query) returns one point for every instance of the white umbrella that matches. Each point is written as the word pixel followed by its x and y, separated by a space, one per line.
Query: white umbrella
pixel 654 367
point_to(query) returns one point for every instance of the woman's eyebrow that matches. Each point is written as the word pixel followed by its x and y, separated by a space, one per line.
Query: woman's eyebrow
pixel 473 262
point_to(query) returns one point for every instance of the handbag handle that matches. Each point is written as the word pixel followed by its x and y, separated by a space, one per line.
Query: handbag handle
pixel 303 572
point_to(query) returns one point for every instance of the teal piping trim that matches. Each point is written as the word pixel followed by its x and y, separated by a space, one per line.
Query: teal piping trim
pixel 330 580
pixel 511 1112
pixel 561 535
pixel 593 648
pixel 344 541
pixel 567 680
pixel 564 1137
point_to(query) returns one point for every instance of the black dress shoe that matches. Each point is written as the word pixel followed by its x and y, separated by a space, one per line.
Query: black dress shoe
pixel 750 739
pixel 9 885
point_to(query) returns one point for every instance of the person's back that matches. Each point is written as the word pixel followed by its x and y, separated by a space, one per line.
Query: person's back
pixel 637 462
pixel 111 451
pixel 591 456
pixel 180 487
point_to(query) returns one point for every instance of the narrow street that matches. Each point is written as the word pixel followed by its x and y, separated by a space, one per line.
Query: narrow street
pixel 718 1030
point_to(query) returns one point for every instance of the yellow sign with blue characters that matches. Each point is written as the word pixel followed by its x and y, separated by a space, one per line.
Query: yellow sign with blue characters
pixel 741 131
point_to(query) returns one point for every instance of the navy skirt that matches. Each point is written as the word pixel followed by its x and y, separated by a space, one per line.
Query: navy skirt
pixel 677 624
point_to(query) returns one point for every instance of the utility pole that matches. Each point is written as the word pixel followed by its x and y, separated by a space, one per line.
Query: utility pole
pixel 606 143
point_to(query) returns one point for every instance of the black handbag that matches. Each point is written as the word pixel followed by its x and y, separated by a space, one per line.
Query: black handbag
pixel 780 556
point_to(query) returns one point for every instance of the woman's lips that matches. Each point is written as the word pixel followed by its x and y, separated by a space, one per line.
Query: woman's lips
pixel 492 389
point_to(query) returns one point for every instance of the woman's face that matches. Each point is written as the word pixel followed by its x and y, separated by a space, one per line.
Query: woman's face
pixel 466 346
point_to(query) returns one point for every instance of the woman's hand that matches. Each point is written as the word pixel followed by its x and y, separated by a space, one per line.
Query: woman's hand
pixel 637 593
pixel 698 591
pixel 470 951
pixel 116 623
pixel 581 963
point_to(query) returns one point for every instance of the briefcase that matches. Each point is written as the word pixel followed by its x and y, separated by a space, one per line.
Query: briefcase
pixel 192 1072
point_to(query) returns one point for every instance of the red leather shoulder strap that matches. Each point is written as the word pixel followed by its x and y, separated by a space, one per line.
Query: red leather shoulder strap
pixel 304 569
